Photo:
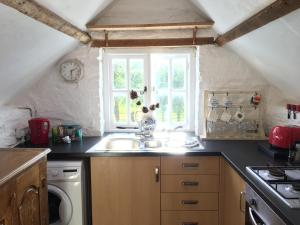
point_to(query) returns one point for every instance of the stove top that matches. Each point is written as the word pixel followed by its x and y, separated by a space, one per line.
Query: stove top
pixel 284 181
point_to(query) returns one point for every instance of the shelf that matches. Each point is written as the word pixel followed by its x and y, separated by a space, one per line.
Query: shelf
pixel 157 26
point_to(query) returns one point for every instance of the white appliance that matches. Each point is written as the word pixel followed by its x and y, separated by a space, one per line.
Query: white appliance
pixel 65 192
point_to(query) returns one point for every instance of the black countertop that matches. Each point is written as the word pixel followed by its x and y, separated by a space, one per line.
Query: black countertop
pixel 238 153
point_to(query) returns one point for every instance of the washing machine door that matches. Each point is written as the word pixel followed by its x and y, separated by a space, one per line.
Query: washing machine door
pixel 59 206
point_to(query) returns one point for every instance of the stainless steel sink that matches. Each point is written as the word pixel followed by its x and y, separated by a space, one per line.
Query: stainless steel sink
pixel 131 143
pixel 152 144
pixel 121 144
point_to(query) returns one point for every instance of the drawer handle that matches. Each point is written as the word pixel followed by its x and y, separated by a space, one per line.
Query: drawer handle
pixel 190 183
pixel 190 165
pixel 190 223
pixel 189 202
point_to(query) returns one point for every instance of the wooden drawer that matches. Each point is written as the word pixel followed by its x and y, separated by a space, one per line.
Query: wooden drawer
pixel 186 201
pixel 189 165
pixel 189 183
pixel 189 218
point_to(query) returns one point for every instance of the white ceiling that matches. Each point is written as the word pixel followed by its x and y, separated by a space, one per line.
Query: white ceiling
pixel 272 49
pixel 77 12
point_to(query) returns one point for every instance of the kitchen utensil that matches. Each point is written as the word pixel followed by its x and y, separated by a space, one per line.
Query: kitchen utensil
pixel 284 137
pixel 213 101
pixel 239 115
pixel 39 130
pixel 255 99
pixel 213 116
pixel 227 101
pixel 226 116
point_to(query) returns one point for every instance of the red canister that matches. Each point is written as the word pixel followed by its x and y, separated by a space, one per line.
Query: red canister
pixel 39 130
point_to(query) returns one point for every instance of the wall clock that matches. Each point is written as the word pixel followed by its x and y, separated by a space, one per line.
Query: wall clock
pixel 72 70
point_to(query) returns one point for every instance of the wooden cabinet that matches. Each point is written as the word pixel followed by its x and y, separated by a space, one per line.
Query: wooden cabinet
pixel 125 190
pixel 190 190
pixel 24 197
pixel 231 196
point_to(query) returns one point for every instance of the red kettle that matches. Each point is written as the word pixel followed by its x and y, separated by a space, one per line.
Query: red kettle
pixel 39 130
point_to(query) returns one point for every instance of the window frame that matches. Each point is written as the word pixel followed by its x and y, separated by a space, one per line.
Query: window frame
pixel 145 54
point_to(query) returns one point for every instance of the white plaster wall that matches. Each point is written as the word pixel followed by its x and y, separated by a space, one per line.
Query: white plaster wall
pixel 222 69
pixel 273 49
pixel 149 11
pixel 13 124
pixel 63 102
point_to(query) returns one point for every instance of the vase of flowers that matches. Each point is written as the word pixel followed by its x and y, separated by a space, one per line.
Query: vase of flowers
pixel 146 121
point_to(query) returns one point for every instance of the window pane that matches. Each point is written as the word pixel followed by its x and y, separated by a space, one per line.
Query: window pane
pixel 161 68
pixel 178 108
pixel 162 111
pixel 137 73
pixel 119 73
pixel 120 107
pixel 179 70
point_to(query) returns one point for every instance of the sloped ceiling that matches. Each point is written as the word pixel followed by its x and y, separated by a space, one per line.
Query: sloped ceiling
pixel 272 49
pixel 28 48
pixel 77 12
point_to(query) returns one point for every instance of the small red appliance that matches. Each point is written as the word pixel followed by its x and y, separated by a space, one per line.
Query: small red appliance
pixel 284 137
pixel 39 130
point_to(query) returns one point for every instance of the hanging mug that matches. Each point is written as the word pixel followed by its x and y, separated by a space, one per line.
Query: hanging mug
pixel 239 116
pixel 226 116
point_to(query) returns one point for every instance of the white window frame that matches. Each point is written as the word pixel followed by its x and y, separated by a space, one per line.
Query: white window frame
pixel 109 54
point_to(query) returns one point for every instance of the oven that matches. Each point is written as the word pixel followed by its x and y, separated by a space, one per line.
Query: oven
pixel 257 210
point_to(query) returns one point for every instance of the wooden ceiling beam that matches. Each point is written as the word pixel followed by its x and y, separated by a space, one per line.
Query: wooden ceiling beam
pixel 45 16
pixel 158 26
pixel 272 12
pixel 121 43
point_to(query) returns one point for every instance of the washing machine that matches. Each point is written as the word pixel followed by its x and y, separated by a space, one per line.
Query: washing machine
pixel 66 201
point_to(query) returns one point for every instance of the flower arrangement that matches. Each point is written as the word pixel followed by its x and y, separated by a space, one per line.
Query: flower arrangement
pixel 134 95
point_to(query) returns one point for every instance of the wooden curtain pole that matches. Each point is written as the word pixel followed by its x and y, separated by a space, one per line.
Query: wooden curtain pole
pixel 152 42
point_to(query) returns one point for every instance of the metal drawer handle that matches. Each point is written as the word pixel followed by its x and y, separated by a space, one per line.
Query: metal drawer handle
pixel 190 183
pixel 190 223
pixel 190 165
pixel 156 172
pixel 253 220
pixel 189 202
pixel 242 202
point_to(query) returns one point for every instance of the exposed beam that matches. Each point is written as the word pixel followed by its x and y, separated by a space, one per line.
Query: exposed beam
pixel 152 42
pixel 272 12
pixel 158 26
pixel 42 14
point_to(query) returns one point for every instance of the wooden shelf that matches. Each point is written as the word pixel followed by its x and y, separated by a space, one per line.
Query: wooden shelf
pixel 157 26
pixel 152 42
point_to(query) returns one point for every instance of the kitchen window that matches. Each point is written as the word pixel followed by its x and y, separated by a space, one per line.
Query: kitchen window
pixel 169 78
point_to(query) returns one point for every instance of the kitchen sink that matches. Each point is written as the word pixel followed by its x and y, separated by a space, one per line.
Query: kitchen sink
pixel 120 143
pixel 131 143
pixel 152 143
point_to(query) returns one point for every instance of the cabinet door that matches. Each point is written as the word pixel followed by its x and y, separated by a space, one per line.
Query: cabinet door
pixel 28 197
pixel 7 204
pixel 125 190
pixel 231 196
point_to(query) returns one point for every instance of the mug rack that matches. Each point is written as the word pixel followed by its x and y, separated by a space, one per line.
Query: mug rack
pixel 233 115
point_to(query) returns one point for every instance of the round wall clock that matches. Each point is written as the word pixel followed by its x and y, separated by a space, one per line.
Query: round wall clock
pixel 72 70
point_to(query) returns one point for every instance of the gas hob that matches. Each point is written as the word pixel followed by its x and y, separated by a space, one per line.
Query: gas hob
pixel 283 181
